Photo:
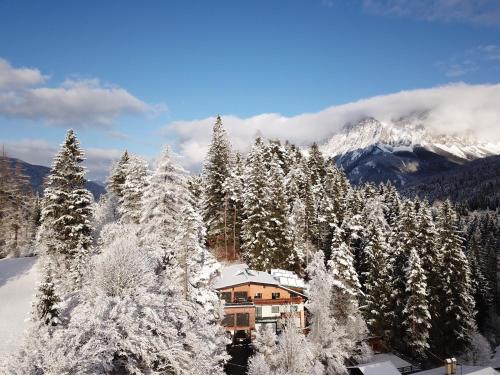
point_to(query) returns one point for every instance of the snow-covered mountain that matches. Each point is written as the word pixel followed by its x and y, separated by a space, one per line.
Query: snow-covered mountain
pixel 401 151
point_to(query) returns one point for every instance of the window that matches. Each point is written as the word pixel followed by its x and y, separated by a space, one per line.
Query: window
pixel 240 296
pixel 294 308
pixel 275 309
pixel 228 320
pixel 258 295
pixel 275 296
pixel 243 320
pixel 226 296
pixel 259 311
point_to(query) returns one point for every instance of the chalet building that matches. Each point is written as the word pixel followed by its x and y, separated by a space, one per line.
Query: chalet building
pixel 255 298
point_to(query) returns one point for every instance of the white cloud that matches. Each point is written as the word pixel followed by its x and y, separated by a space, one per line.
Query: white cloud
pixel 18 78
pixel 77 102
pixel 40 152
pixel 451 109
pixel 479 12
pixel 474 59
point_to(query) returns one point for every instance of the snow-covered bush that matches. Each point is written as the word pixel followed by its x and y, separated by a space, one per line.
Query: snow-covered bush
pixel 123 268
pixel 478 353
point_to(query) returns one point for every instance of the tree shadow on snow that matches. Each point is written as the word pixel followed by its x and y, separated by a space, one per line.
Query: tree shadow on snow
pixel 13 268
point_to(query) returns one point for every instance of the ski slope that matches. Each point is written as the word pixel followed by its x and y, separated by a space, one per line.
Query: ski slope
pixel 18 279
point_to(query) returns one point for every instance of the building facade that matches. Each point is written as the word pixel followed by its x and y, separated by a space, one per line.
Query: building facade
pixel 254 299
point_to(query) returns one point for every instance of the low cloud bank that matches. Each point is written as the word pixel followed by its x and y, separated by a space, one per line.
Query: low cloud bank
pixel 452 109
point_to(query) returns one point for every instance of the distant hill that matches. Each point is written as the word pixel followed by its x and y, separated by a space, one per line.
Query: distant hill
pixel 475 185
pixel 37 174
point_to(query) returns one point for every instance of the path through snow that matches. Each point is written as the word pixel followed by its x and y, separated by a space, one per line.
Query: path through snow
pixel 18 278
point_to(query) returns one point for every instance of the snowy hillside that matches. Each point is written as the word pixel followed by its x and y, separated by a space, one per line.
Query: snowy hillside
pixel 18 277
pixel 405 135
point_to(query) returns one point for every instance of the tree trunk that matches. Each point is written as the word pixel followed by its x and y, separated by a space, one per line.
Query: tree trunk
pixel 225 227
pixel 234 233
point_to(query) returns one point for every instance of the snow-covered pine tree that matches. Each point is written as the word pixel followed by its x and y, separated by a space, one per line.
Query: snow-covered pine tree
pixel 216 170
pixel 136 172
pixel 392 204
pixel 346 287
pixel 480 287
pixel 316 164
pixel 429 255
pixel 416 316
pixel 403 239
pixel 302 247
pixel 163 199
pixel 195 187
pixel 455 289
pixel 233 189
pixel 198 269
pixel 255 246
pixel 117 177
pixel 324 330
pixel 280 241
pixel 377 302
pixel 66 207
pixel 45 305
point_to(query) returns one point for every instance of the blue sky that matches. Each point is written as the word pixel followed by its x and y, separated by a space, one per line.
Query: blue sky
pixel 144 65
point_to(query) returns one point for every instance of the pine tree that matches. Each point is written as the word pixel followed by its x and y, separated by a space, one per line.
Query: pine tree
pixel 216 171
pixel 302 247
pixel 346 287
pixel 280 245
pixel 66 206
pixel 255 244
pixel 455 289
pixel 45 307
pixel 136 172
pixel 118 175
pixel 403 241
pixel 377 304
pixel 428 251
pixel 416 316
pixel 316 164
pixel 233 189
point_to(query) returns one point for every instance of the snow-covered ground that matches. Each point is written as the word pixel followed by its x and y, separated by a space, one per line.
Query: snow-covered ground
pixel 495 362
pixel 18 278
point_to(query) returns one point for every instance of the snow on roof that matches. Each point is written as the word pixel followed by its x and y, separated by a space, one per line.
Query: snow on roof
pixel 465 370
pixel 380 368
pixel 237 274
pixel 393 358
pixel 288 278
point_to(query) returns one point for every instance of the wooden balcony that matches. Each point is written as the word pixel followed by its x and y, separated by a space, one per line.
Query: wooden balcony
pixel 279 301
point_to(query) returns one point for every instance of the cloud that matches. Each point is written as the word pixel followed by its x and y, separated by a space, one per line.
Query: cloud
pixel 478 12
pixel 451 109
pixel 40 152
pixel 13 79
pixel 470 61
pixel 77 102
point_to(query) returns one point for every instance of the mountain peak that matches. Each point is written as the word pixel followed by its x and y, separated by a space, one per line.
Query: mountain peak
pixel 405 134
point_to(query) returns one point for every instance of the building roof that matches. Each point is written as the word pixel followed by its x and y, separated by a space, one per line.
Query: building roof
pixel 237 274
pixel 380 368
pixel 465 370
pixel 390 357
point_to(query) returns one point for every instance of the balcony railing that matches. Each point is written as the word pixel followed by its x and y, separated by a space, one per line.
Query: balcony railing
pixel 278 301
pixel 239 303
